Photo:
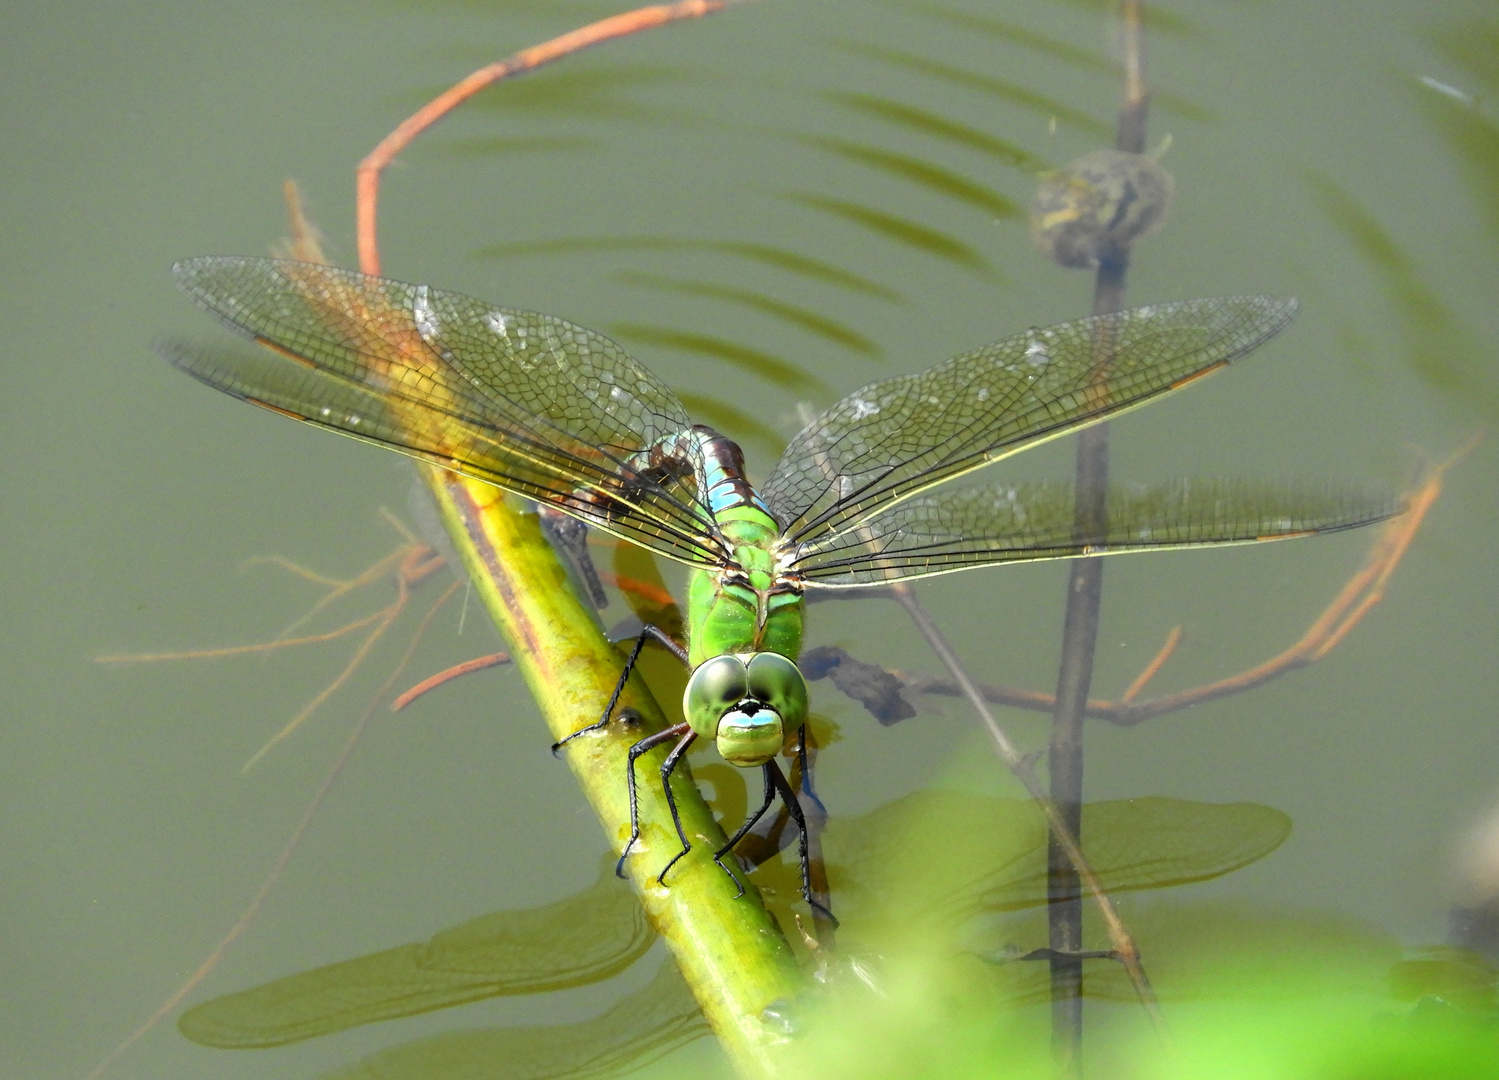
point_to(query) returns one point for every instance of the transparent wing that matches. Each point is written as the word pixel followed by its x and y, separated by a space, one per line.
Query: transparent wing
pixel 893 438
pixel 525 401
pixel 980 526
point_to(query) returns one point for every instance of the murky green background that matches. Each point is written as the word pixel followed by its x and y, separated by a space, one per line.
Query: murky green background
pixel 138 134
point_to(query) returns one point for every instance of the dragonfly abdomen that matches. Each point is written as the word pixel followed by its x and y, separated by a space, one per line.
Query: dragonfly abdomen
pixel 715 463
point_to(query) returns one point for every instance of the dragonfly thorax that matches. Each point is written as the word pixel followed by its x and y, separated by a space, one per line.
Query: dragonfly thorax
pixel 743 606
pixel 746 703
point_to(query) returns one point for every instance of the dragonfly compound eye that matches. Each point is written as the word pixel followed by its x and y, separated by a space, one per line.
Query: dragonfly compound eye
pixel 746 704
pixel 778 682
pixel 717 686
pixel 754 730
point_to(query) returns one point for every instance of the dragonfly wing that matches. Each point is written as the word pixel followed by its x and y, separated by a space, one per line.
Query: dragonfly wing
pixel 980 526
pixel 525 401
pixel 893 438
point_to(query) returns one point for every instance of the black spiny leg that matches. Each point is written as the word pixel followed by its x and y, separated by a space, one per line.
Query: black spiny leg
pixel 817 819
pixel 569 538
pixel 795 808
pixel 647 633
pixel 667 767
pixel 770 798
pixel 650 742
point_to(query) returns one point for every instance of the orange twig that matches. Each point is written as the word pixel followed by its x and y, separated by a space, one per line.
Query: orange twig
pixel 367 176
pixel 237 650
pixel 283 858
pixel 478 663
pixel 646 590
pixel 415 559
pixel 1173 639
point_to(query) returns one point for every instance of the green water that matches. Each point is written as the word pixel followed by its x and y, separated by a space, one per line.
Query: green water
pixel 139 134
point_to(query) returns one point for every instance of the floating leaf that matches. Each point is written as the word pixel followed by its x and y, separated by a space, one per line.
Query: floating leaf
pixel 1019 35
pixel 1474 47
pixel 640 1028
pixel 806 267
pixel 583 939
pixel 1474 140
pixel 955 854
pixel 1473 137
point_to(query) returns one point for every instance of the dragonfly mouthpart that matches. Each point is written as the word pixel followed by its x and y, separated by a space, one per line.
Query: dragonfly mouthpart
pixel 750 734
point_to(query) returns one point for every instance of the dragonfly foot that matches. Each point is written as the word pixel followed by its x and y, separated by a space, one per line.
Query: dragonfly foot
pixel 824 912
pixel 626 716
pixel 732 876
pixel 661 877
pixel 619 867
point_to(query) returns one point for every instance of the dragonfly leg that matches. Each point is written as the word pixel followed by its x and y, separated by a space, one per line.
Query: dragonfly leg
pixel 788 796
pixel 770 834
pixel 816 815
pixel 667 768
pixel 569 537
pixel 650 742
pixel 661 637
pixel 647 633
pixel 770 798
pixel 804 777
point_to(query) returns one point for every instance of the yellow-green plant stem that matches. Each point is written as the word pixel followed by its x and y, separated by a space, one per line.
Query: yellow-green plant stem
pixel 730 950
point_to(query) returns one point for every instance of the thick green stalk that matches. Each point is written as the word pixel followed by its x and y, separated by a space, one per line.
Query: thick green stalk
pixel 730 951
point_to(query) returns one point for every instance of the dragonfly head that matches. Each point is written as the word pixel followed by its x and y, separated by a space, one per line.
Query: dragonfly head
pixel 746 703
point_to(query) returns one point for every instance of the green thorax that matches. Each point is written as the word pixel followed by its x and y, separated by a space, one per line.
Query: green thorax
pixel 741 608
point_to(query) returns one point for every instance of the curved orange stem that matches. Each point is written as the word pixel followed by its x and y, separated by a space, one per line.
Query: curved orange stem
pixel 367 176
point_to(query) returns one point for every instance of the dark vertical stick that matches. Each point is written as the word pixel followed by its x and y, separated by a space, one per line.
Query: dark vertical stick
pixel 1080 625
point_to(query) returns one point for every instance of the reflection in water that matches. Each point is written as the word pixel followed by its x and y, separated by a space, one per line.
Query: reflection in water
pixel 1438 347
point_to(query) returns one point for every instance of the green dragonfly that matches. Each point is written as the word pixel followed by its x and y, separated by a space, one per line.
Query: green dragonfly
pixel 556 413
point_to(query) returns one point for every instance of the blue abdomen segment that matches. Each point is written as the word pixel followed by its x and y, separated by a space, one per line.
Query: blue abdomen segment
pixel 715 462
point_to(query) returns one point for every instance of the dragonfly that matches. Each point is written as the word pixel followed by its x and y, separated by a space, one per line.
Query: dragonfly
pixel 561 415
